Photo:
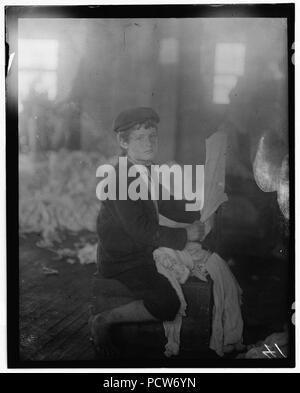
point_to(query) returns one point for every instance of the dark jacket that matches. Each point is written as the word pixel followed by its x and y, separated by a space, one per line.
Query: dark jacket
pixel 129 231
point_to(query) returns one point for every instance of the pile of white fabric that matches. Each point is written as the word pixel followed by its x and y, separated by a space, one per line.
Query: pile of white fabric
pixel 84 253
pixel 57 193
pixel 227 323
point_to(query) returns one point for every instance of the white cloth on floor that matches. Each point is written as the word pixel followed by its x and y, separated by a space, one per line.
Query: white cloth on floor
pixel 176 274
pixel 227 323
pixel 177 266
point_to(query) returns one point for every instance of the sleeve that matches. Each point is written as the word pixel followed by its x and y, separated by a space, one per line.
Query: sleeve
pixel 175 238
pixel 144 229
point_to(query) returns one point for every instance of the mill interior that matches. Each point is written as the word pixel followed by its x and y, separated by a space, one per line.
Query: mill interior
pixel 202 75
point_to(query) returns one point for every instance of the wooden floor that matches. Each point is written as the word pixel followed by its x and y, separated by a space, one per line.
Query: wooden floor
pixel 53 308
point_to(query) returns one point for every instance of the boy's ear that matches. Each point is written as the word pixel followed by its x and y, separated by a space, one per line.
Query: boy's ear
pixel 122 143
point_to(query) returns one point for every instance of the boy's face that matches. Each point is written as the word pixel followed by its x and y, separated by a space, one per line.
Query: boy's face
pixel 142 144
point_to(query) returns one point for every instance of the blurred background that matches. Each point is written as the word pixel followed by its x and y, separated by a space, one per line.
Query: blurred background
pixel 201 75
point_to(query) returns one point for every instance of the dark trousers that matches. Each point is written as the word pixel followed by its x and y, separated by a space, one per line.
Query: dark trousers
pixel 156 292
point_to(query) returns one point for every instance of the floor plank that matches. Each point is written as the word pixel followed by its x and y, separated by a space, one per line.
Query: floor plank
pixel 53 309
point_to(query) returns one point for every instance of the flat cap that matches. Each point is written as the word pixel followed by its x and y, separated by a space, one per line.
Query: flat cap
pixel 131 117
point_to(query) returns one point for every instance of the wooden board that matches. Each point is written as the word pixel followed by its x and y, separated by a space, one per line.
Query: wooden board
pixel 53 308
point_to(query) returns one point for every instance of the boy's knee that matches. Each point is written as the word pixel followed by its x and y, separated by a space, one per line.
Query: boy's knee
pixel 171 305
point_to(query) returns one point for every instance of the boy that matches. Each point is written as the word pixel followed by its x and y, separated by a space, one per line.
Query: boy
pixel 129 232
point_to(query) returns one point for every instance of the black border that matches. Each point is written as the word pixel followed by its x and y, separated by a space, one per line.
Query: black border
pixel 13 13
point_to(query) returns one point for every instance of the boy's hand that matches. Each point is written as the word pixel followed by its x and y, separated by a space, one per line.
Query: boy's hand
pixel 195 231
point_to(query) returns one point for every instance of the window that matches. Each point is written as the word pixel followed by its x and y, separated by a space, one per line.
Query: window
pixel 38 61
pixel 229 65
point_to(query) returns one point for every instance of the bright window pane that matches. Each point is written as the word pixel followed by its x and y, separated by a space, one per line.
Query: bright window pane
pixel 38 61
pixel 38 81
pixel 42 54
pixel 230 59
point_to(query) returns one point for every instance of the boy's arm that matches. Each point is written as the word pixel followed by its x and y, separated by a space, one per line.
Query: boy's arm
pixel 144 229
